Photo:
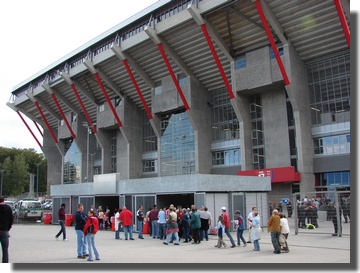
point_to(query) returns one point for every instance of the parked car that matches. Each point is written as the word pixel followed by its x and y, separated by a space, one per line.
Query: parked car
pixel 12 206
pixel 29 209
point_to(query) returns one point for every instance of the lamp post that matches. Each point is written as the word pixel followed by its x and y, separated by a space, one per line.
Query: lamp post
pixel 2 175
pixel 37 180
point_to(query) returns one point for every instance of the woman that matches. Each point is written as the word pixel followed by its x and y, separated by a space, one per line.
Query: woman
pixel 101 218
pixel 255 231
pixel 90 236
pixel 285 230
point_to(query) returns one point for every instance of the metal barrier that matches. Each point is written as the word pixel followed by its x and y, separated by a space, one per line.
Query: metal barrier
pixel 325 212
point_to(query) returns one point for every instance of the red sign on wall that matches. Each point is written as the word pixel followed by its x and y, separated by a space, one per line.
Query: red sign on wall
pixel 282 174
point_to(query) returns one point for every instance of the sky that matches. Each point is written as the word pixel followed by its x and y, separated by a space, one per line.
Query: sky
pixel 37 33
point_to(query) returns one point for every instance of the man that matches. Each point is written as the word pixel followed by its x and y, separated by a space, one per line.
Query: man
pixel 195 224
pixel 80 221
pixel 127 223
pixel 140 219
pixel 6 221
pixel 250 218
pixel 153 221
pixel 227 226
pixel 274 228
pixel 61 214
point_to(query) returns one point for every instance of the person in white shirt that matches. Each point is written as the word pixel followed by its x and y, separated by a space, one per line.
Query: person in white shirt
pixel 250 218
pixel 285 230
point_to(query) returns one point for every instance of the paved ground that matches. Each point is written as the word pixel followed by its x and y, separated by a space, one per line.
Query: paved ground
pixel 35 243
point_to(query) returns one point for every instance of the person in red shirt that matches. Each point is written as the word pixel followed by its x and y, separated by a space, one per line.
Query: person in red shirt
pixel 227 226
pixel 61 214
pixel 90 235
pixel 127 222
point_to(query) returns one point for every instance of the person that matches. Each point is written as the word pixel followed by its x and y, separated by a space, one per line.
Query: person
pixel 162 223
pixel 285 230
pixel 227 221
pixel 289 208
pixel 333 214
pixel 90 236
pixel 147 219
pixel 117 225
pixel 61 214
pixel 140 221
pixel 249 218
pixel 274 229
pixel 346 210
pixel 101 215
pixel 240 228
pixel 255 232
pixel 195 224
pixel 6 221
pixel 153 220
pixel 172 227
pixel 80 221
pixel 127 223
pixel 221 232
pixel 185 224
pixel 205 218
pixel 301 215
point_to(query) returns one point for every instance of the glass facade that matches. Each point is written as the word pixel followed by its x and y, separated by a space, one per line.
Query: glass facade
pixel 329 89
pixel 72 164
pixel 177 145
pixel 337 179
pixel 332 145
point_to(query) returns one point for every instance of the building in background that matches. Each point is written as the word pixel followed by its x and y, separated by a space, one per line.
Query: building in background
pixel 216 103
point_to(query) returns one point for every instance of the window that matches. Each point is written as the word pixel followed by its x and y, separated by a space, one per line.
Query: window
pixel 149 166
pixel 182 79
pixel 240 63
pixel 158 88
pixel 331 145
pixel 280 50
pixel 101 108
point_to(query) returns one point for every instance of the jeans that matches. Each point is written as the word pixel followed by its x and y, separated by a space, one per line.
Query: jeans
pixel 81 242
pixel 275 240
pixel 127 230
pixel 162 231
pixel 239 234
pixel 91 242
pixel 227 232
pixel 155 228
pixel 204 233
pixel 141 228
pixel 170 235
pixel 62 230
pixel 4 239
pixel 186 234
pixel 117 232
pixel 256 245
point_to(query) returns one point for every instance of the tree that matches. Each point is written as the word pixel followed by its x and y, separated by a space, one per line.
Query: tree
pixel 21 175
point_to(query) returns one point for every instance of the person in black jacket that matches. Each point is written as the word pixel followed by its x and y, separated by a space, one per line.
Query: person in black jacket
pixel 6 221
pixel 301 216
pixel 80 221
pixel 61 214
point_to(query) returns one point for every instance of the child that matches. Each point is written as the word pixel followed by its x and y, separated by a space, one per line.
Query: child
pixel 240 228
pixel 221 232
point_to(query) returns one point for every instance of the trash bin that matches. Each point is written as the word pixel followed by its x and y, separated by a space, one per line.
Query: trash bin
pixel 47 218
pixel 146 229
pixel 69 219
pixel 112 223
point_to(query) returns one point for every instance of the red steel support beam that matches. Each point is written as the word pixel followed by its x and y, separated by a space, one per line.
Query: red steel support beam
pixel 343 21
pixel 27 126
pixel 126 64
pixel 83 108
pixel 272 42
pixel 217 60
pixel 37 126
pixel 108 99
pixel 63 115
pixel 173 76
pixel 46 122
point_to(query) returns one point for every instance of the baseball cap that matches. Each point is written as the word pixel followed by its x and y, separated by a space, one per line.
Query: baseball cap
pixel 223 208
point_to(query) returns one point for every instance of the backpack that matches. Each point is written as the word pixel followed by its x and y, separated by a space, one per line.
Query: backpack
pixel 91 227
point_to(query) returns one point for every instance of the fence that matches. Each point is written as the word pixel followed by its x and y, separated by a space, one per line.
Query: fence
pixel 322 212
